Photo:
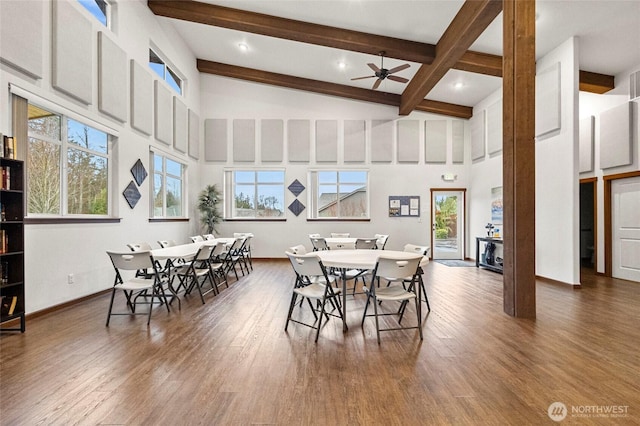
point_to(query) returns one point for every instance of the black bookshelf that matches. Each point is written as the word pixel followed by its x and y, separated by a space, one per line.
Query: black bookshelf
pixel 12 309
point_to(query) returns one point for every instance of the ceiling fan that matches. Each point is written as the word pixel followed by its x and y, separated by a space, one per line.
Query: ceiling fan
pixel 382 73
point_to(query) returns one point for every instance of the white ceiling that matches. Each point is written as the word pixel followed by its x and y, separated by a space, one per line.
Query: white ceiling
pixel 608 32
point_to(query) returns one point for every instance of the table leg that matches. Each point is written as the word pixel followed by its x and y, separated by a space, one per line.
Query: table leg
pixel 174 293
pixel 343 272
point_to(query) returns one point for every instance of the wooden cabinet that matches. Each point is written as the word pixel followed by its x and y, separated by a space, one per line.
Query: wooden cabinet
pixel 12 245
pixel 484 246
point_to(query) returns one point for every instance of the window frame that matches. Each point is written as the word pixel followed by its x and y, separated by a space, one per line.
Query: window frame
pixel 168 70
pixel 314 192
pixel 64 147
pixel 229 194
pixel 183 180
pixel 107 12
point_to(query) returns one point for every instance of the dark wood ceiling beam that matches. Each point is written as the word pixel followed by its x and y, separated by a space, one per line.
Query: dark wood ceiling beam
pixel 444 108
pixel 476 62
pixel 480 63
pixel 289 29
pixel 273 26
pixel 472 19
pixel 596 83
pixel 325 88
pixel 487 64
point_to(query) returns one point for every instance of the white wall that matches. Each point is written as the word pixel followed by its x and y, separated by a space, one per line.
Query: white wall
pixel 557 220
pixel 592 105
pixel 54 251
pixel 229 99
pixel 485 174
pixel 557 195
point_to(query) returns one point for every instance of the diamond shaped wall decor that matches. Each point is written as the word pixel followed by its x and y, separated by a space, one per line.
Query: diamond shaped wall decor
pixel 131 194
pixel 296 207
pixel 138 172
pixel 296 188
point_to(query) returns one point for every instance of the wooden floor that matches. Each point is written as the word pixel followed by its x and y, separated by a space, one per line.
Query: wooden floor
pixel 229 362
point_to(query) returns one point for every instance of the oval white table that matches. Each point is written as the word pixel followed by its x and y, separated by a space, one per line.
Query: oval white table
pixel 359 259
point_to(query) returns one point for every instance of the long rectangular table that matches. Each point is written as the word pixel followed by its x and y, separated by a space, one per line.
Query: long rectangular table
pixel 186 251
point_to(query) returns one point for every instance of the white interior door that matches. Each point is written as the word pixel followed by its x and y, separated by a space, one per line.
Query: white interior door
pixel 625 195
pixel 447 224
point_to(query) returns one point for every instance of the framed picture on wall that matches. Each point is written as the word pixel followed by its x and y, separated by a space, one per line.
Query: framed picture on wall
pixel 496 205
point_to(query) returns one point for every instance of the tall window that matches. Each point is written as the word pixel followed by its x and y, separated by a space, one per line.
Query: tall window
pixel 68 166
pixel 168 187
pixel 254 193
pixel 164 71
pixel 98 8
pixel 339 194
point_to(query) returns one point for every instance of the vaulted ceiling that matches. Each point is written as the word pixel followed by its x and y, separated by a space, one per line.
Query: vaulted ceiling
pixel 453 47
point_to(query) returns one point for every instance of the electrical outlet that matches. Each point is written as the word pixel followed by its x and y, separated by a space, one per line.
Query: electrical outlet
pixel 71 279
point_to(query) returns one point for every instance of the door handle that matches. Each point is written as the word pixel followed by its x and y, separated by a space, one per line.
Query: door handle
pixel 433 227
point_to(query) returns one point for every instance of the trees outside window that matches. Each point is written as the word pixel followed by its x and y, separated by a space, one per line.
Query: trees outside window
pixel 68 166
pixel 255 193
pixel 168 187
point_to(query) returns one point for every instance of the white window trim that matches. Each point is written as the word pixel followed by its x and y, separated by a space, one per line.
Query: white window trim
pixel 170 65
pixel 34 98
pixel 312 194
pixel 185 186
pixel 229 192
pixel 108 15
pixel 64 145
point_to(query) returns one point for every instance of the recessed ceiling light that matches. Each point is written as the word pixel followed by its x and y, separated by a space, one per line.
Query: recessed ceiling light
pixel 243 47
pixel 342 65
pixel 459 85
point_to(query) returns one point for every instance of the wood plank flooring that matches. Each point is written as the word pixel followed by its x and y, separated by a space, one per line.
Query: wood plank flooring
pixel 229 362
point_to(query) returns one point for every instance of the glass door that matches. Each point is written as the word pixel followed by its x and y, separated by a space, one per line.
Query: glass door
pixel 447 223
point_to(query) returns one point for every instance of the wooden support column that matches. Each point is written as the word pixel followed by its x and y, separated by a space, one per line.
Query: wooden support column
pixel 518 85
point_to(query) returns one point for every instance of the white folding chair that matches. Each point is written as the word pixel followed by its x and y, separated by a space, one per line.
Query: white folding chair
pixel 396 270
pixel 424 251
pixel 381 240
pixel 313 283
pixel 194 273
pixel 366 243
pixel 319 243
pixel 137 287
pixel 143 246
pixel 167 243
pixel 299 249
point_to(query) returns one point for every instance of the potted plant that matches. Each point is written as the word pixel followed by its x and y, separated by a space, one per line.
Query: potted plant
pixel 208 206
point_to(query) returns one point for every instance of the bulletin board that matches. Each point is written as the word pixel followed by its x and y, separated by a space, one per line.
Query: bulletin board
pixel 404 206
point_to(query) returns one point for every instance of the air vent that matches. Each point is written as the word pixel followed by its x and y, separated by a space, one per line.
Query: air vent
pixel 634 85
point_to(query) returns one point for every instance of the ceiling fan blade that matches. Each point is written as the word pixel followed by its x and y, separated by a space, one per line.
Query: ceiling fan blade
pixel 376 84
pixel 360 78
pixel 398 79
pixel 399 68
pixel 374 67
